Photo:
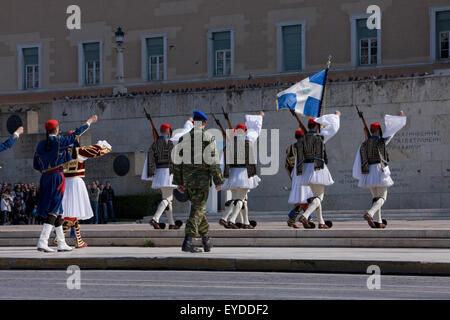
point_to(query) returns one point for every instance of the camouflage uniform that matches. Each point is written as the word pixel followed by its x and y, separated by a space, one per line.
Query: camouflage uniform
pixel 196 180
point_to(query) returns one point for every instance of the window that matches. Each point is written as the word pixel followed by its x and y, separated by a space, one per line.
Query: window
pixel 222 53
pixel 367 42
pixel 443 34
pixel 155 58
pixel 91 54
pixel 292 47
pixel 31 68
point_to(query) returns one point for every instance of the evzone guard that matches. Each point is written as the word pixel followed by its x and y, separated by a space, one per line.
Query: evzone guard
pixel 229 204
pixel 76 202
pixel 299 194
pixel 240 169
pixel 371 164
pixel 311 166
pixel 158 168
pixel 50 156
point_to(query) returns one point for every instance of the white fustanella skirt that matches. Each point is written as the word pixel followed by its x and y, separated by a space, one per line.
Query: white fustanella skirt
pixel 76 202
pixel 311 176
pixel 239 179
pixel 377 177
pixel 299 193
pixel 162 179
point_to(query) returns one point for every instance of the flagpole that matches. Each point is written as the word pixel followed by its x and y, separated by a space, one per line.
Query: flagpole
pixel 324 95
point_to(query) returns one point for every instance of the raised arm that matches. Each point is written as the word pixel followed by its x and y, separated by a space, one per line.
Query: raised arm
pixel 331 123
pixel 366 128
pixel 94 151
pixel 300 123
pixel 66 141
pixel 254 126
pixel 12 139
pixel 393 125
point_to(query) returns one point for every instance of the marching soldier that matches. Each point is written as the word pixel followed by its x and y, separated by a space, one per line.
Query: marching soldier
pixel 299 193
pixel 193 176
pixel 312 164
pixel 241 171
pixel 159 168
pixel 371 164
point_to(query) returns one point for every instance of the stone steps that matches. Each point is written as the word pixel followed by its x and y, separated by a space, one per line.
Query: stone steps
pixel 338 215
pixel 401 234
pixel 253 242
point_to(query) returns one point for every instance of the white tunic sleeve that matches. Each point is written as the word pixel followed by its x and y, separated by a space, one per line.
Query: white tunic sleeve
pixel 331 123
pixel 357 166
pixel 393 125
pixel 188 125
pixel 254 126
pixel 144 170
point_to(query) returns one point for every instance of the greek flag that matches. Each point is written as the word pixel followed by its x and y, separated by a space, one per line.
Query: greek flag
pixel 305 97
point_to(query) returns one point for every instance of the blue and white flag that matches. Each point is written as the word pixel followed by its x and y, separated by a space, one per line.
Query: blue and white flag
pixel 305 97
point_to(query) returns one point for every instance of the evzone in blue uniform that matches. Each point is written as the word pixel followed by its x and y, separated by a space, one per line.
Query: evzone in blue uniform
pixel 12 139
pixel 49 158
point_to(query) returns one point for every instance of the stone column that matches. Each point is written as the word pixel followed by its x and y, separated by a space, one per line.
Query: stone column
pixel 120 88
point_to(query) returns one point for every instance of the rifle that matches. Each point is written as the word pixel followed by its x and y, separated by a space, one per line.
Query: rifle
pixel 366 128
pixel 154 131
pixel 224 134
pixel 225 114
pixel 300 124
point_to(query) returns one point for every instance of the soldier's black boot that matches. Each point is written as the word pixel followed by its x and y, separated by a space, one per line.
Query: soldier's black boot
pixel 188 246
pixel 207 244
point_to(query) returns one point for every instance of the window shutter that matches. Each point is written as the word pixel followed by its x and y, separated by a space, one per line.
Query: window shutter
pixel 222 40
pixel 155 46
pixel 292 47
pixel 31 56
pixel 363 31
pixel 92 52
pixel 442 24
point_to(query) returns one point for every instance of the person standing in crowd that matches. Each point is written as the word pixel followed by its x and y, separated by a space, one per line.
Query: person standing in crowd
pixel 31 206
pixel 103 213
pixel 4 209
pixel 19 217
pixel 94 194
pixel 50 156
pixel 109 197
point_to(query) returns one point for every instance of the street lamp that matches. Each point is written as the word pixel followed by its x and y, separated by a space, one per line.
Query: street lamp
pixel 119 36
pixel 119 88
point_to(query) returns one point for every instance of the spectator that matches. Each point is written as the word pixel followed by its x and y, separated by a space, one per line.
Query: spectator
pixel 17 203
pixel 109 197
pixel 31 205
pixel 103 213
pixel 4 209
pixel 19 216
pixel 94 194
